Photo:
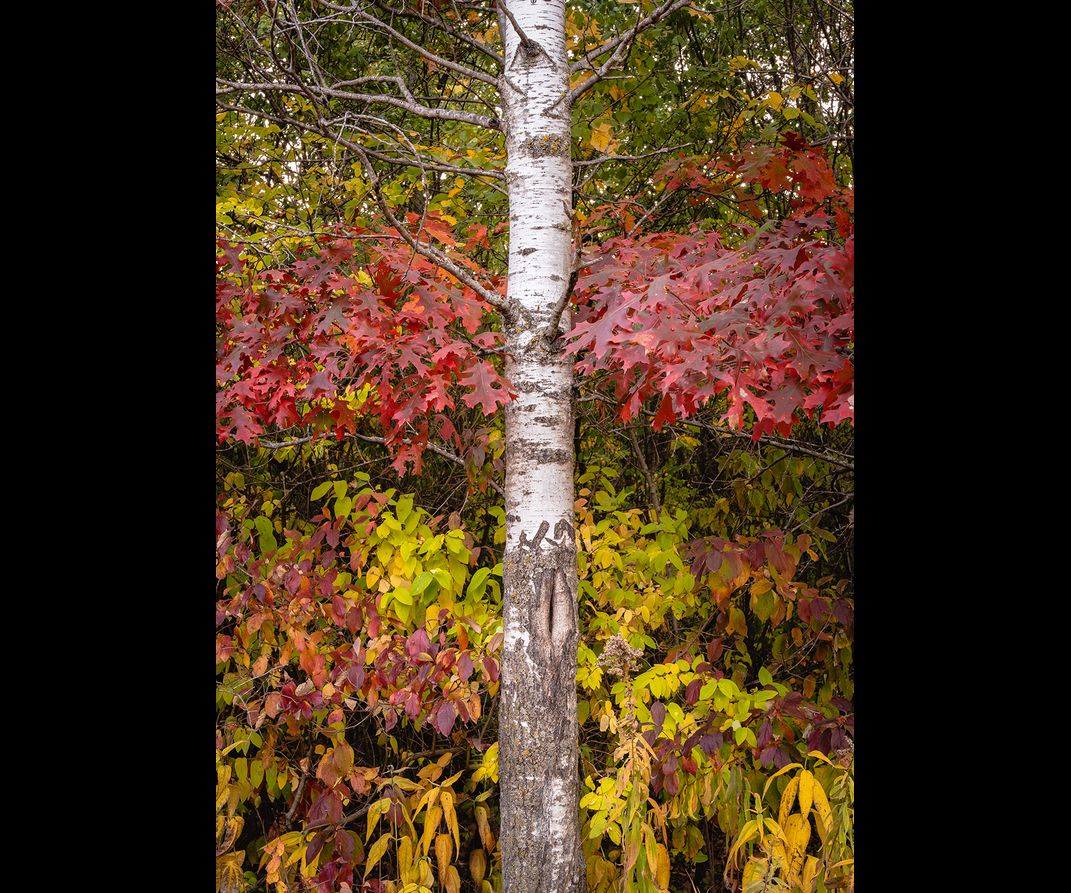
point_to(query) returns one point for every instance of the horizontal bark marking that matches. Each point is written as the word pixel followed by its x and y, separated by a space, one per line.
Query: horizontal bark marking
pixel 546 455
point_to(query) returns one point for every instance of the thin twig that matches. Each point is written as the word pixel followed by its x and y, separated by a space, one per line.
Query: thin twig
pixel 604 158
pixel 656 16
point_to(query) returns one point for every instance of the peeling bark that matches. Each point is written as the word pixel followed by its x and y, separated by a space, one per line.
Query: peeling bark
pixel 539 785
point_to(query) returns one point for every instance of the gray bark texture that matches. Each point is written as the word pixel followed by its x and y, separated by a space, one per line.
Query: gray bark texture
pixel 538 759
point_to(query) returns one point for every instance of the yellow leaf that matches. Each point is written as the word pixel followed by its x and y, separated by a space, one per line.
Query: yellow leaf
pixel 223 775
pixel 427 800
pixel 229 877
pixel 405 859
pixel 836 78
pixel 810 874
pixel 806 790
pixel 453 880
pixel 787 799
pixel 377 809
pixel 601 136
pixel 484 827
pixel 447 800
pixel 774 100
pixel 222 793
pixel 227 831
pixel 780 771
pixel 376 853
pixel 822 811
pixel 443 854
pixel 818 755
pixel 449 782
pixel 477 865
pixel 797 833
pixel 662 868
pixel 490 761
pixel 408 818
pixel 746 833
pixel 431 827
pixel 650 846
pixel 754 873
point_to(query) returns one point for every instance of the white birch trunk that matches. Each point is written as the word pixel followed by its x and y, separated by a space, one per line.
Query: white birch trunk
pixel 539 834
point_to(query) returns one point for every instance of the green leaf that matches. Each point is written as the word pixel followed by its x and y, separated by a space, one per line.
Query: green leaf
pixel 267 535
pixel 422 582
pixel 764 605
pixel 321 490
pixel 478 582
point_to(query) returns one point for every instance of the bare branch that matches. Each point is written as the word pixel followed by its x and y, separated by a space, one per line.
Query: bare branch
pixel 652 486
pixel 442 26
pixel 665 196
pixel 833 457
pixel 442 168
pixel 435 448
pixel 408 103
pixel 423 248
pixel 551 332
pixel 792 446
pixel 604 158
pixel 428 251
pixel 670 6
pixel 281 445
pixel 582 88
pixel 370 19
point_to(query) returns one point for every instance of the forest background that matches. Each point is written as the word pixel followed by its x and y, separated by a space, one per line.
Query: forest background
pixel 360 530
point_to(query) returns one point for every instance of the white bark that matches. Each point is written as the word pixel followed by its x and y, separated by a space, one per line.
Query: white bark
pixel 540 835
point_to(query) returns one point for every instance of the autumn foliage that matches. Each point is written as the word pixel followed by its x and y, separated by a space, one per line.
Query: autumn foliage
pixel 359 621
pixel 366 313
pixel 686 317
pixel 364 328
